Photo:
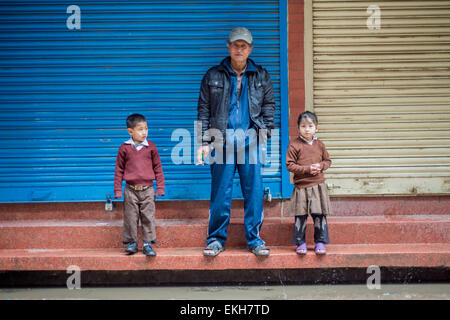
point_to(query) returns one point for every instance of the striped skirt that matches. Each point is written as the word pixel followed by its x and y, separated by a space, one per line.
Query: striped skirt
pixel 312 200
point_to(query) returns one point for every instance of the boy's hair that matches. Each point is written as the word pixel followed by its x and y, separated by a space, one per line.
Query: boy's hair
pixel 134 119
pixel 308 115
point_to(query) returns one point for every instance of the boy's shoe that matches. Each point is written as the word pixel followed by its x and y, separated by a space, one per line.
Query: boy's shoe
pixel 132 248
pixel 148 250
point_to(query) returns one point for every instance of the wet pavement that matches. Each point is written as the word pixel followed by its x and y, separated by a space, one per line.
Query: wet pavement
pixel 288 292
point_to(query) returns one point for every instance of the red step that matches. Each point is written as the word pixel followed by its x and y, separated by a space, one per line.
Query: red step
pixel 386 233
pixel 24 234
pixel 354 206
pixel 338 256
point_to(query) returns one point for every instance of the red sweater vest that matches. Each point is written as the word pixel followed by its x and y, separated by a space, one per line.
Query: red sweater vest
pixel 138 168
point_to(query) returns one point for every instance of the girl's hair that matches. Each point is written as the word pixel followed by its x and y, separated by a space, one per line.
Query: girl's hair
pixel 308 115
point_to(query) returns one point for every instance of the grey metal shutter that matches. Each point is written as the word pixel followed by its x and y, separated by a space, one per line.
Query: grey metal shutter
pixel 65 93
pixel 382 94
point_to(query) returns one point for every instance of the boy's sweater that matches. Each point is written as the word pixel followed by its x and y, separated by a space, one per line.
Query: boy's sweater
pixel 138 167
pixel 300 156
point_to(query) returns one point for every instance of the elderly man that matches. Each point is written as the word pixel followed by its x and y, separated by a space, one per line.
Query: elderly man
pixel 235 109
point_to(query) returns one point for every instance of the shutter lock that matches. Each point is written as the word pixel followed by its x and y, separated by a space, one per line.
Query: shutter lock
pixel 109 205
pixel 267 195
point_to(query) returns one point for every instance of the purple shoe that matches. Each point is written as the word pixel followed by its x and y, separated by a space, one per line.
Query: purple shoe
pixel 320 248
pixel 301 249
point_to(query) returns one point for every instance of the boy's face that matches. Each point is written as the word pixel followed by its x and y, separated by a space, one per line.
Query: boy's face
pixel 307 129
pixel 139 132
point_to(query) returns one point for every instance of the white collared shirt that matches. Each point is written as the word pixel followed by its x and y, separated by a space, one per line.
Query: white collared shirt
pixel 309 142
pixel 138 146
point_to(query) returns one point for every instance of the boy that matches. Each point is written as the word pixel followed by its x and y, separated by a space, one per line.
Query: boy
pixel 138 163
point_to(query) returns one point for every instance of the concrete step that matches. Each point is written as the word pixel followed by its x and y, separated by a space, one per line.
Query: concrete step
pixel 174 233
pixel 343 206
pixel 419 255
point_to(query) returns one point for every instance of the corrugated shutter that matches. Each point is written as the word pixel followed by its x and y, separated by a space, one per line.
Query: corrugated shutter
pixel 65 94
pixel 383 95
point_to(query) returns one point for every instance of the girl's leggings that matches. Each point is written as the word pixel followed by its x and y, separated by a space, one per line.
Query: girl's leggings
pixel 320 229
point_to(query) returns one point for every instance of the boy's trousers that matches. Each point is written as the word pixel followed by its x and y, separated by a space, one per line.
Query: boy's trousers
pixel 222 175
pixel 139 204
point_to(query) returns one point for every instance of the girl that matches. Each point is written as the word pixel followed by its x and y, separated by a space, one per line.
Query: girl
pixel 307 158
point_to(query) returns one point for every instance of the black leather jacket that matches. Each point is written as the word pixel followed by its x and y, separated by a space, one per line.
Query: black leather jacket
pixel 215 96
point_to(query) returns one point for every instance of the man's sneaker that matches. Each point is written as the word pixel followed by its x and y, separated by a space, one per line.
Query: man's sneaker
pixel 148 250
pixel 132 248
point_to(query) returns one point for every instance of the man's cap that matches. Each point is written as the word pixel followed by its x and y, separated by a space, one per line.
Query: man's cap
pixel 240 33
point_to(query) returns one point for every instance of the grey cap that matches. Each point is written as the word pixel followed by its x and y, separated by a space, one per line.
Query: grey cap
pixel 240 33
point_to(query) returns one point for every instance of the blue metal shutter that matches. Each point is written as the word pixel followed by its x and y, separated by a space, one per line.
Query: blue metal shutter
pixel 65 94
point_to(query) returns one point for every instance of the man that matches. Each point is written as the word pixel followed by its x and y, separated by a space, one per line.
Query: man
pixel 235 108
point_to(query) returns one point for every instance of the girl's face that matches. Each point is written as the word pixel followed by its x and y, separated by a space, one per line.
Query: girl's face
pixel 307 129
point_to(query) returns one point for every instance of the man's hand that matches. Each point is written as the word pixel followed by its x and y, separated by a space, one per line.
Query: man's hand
pixel 159 193
pixel 202 153
pixel 118 194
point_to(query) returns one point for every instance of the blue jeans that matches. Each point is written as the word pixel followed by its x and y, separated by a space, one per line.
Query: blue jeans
pixel 221 194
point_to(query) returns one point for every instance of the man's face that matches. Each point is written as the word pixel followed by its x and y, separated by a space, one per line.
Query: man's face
pixel 239 51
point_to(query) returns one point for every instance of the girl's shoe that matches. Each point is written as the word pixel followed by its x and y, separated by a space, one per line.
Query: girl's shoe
pixel 301 249
pixel 320 248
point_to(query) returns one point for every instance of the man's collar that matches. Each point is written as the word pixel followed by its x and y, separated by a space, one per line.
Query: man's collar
pixel 251 66
pixel 226 65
